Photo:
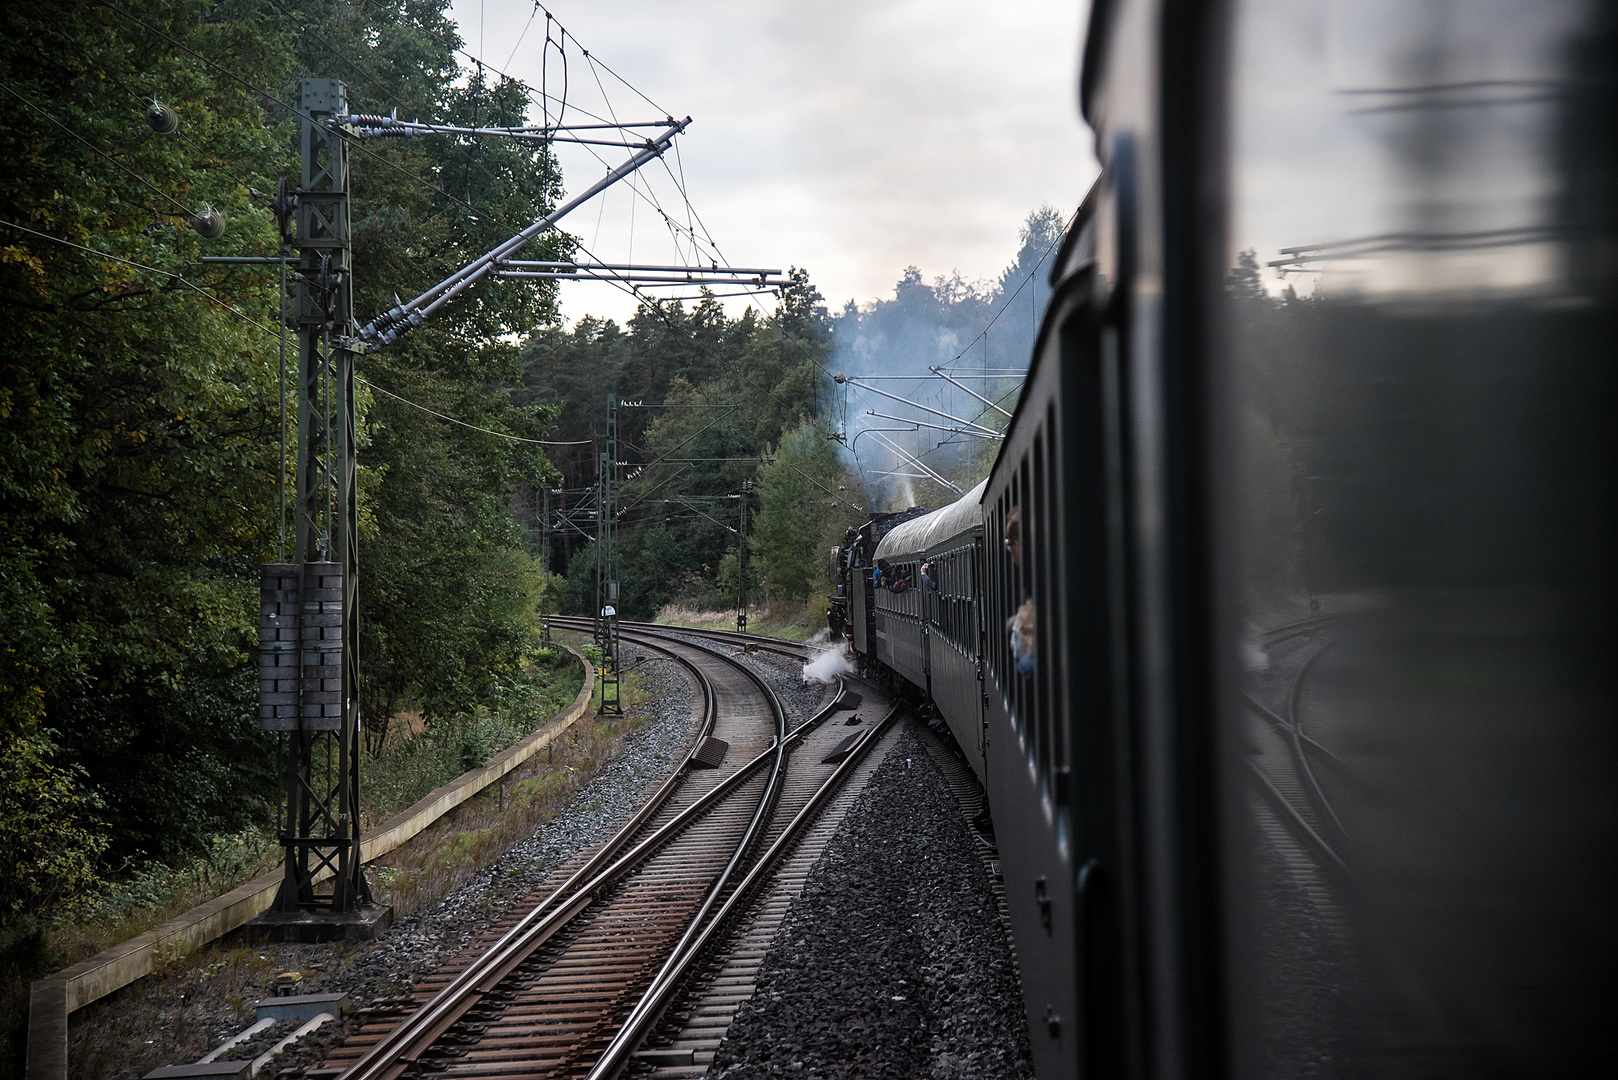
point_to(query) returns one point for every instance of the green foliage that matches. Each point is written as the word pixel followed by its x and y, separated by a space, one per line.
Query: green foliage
pixel 138 453
pixel 804 509
pixel 409 768
pixel 46 830
pixel 728 581
pixel 139 441
pixel 721 391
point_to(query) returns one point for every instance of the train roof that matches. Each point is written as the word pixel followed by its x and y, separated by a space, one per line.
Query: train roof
pixel 925 533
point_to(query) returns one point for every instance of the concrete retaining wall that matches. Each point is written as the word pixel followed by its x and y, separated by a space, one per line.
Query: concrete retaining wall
pixel 55 997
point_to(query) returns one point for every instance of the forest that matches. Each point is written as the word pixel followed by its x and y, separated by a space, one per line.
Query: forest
pixel 140 441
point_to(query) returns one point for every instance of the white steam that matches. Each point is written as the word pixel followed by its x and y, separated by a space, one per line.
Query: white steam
pixel 827 664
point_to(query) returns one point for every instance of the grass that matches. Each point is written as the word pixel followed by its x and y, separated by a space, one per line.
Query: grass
pixel 790 621
pixel 455 848
pixel 416 759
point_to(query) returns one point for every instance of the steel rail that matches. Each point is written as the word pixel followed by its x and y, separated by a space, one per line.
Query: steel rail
pixel 1285 804
pixel 405 1043
pixel 1297 742
pixel 1293 629
pixel 649 1009
pixel 775 644
pixel 761 813
pixel 1308 740
pixel 418 1030
pixel 779 646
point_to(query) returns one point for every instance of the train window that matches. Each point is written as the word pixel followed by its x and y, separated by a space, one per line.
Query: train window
pixel 1415 401
pixel 1021 580
pixel 1003 595
pixel 993 530
pixel 1051 627
pixel 1007 596
pixel 1037 553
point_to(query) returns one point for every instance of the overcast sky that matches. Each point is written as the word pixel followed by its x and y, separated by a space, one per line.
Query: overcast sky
pixel 850 138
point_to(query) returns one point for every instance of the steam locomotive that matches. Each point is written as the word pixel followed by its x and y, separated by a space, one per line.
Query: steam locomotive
pixel 1282 632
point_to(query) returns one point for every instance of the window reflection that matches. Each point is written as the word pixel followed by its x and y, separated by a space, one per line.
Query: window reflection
pixel 1419 305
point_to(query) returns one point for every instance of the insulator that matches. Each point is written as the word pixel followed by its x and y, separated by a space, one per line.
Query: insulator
pixel 210 224
pixel 284 203
pixel 161 118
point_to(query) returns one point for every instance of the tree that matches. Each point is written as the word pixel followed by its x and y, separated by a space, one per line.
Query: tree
pixel 1244 282
pixel 803 507
pixel 138 462
pixel 732 386
pixel 139 450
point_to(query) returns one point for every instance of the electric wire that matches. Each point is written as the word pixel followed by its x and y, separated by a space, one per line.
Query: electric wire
pixel 522 35
pixel 436 188
pixel 215 299
pixel 258 90
pixel 180 279
pixel 186 210
pixel 649 303
pixel 464 151
pixel 561 48
pixel 141 266
pixel 983 336
pixel 143 98
pixel 474 427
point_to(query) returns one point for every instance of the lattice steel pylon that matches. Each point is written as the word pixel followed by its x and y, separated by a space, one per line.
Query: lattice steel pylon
pixel 309 669
pixel 309 666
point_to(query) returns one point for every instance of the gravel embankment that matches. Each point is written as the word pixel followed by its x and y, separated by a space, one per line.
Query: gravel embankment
pixel 893 961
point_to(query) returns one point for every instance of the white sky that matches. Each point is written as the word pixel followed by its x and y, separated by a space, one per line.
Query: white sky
pixel 849 138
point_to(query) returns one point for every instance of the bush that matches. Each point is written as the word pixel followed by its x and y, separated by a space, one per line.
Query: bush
pixel 46 830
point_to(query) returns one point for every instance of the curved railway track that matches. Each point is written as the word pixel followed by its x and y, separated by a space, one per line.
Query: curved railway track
pixel 1284 755
pixel 797 650
pixel 569 986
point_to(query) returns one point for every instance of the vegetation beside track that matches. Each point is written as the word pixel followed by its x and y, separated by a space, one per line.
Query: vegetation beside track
pixel 782 619
pixel 415 759
pixel 229 976
pixel 480 830
pixel 139 431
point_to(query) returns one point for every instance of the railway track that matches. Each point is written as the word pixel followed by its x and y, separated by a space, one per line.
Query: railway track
pixel 763 642
pixel 569 985
pixel 1289 795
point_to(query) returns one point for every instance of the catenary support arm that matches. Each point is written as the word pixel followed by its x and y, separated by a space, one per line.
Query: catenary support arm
pixel 388 327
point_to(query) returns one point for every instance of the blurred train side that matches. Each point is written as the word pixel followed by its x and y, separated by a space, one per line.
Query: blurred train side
pixel 1416 462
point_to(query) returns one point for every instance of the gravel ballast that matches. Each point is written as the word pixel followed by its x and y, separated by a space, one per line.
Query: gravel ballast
pixel 422 943
pixel 893 962
pixel 800 699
